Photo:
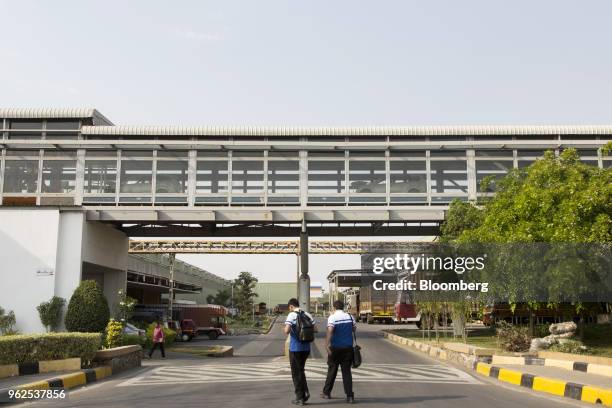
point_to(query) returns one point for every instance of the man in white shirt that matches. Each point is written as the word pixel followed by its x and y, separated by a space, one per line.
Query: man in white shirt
pixel 339 345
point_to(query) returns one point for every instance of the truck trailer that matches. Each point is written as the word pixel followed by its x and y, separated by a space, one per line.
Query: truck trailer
pixel 376 306
pixel 209 320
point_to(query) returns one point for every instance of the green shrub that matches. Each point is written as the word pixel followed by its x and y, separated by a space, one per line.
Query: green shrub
pixel 570 346
pixel 133 339
pixel 88 309
pixel 169 335
pixel 51 312
pixel 513 338
pixel 49 346
pixel 114 331
pixel 541 330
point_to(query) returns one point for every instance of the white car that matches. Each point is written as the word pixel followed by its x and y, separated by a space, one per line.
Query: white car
pixel 144 186
pixel 133 330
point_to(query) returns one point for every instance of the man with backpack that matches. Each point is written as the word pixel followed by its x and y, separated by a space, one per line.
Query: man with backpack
pixel 339 345
pixel 300 326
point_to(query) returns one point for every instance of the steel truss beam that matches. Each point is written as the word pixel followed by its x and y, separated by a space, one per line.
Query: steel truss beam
pixel 270 247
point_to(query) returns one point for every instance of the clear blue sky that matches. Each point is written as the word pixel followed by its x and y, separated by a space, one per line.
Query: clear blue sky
pixel 310 63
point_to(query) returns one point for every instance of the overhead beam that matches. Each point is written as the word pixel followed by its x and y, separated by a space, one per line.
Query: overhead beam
pixel 269 247
pixel 279 231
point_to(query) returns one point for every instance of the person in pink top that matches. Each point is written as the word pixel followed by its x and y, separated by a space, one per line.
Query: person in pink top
pixel 158 340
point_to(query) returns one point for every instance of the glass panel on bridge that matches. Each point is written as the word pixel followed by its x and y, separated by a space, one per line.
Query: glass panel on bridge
pixel 211 177
pixel 63 125
pixel 448 176
pixel 494 153
pixel 171 177
pixel 100 176
pixel 62 129
pixel 408 177
pixel 136 176
pixel 491 168
pixel 25 129
pixel 367 176
pixel 326 181
pixel 283 177
pixel 59 176
pixel 247 176
pixel 20 176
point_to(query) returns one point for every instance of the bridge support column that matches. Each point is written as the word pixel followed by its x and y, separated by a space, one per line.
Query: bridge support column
pixel 304 280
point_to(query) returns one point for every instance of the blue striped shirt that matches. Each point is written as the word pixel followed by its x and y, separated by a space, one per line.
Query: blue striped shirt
pixel 343 324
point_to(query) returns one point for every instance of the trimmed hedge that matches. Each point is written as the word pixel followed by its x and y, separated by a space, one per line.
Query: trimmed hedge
pixel 50 346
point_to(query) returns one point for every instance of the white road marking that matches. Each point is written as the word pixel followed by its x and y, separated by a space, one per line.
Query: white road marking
pixel 315 370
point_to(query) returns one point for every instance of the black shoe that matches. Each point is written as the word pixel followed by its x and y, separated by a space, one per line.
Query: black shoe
pixel 298 402
pixel 350 400
pixel 325 396
pixel 306 396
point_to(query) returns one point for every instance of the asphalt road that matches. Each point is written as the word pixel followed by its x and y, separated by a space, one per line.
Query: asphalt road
pixel 258 376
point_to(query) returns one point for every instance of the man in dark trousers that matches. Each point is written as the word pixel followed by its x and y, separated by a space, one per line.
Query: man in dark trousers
pixel 339 344
pixel 298 352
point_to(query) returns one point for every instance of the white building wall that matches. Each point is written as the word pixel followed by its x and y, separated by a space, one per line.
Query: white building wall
pixel 28 254
pixel 42 253
pixel 69 252
pixel 106 246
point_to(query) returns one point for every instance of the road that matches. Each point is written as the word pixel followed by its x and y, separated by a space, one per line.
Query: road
pixel 258 376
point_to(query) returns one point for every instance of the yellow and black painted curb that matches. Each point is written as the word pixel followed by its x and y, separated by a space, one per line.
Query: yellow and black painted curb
pixel 585 393
pixel 40 367
pixel 65 382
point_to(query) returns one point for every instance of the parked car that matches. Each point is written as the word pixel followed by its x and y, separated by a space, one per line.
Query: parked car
pixel 412 184
pixel 130 329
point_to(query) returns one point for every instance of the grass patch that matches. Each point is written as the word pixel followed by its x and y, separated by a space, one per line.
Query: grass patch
pixel 201 351
pixel 480 338
pixel 259 325
pixel 597 337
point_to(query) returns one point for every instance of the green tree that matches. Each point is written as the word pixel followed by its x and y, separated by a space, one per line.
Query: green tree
pixel 223 298
pixel 125 307
pixel 51 312
pixel 7 322
pixel 244 292
pixel 555 200
pixel 460 217
pixel 88 309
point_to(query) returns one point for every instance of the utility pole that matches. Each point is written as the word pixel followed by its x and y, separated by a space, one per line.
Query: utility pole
pixel 171 258
pixel 304 279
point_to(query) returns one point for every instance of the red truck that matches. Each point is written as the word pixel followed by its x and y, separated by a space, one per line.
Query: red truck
pixel 209 320
pixel 407 313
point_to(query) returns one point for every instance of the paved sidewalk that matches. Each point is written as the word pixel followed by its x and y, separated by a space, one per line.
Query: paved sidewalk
pixel 12 382
pixel 560 374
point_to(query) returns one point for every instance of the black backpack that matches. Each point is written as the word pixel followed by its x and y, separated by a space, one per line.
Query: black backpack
pixel 305 329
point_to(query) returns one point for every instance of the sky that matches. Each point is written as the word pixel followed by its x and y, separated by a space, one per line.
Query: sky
pixel 315 62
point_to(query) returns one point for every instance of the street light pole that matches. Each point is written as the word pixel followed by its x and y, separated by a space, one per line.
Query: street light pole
pixel 171 258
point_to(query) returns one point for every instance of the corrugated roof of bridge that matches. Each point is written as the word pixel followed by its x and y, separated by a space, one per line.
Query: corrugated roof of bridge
pixel 450 130
pixel 53 113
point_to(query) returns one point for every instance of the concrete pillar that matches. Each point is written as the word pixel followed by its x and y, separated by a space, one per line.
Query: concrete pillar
pixel 304 281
